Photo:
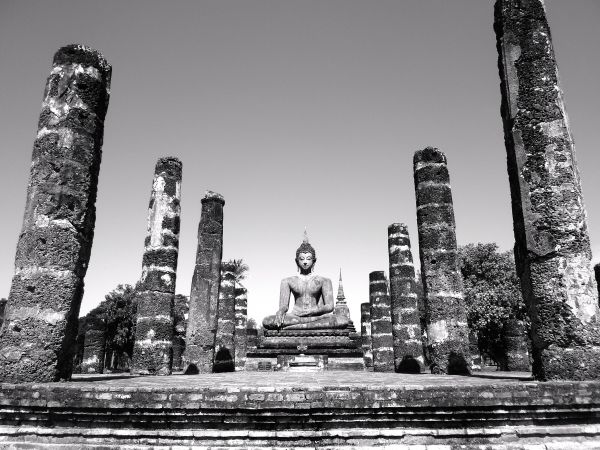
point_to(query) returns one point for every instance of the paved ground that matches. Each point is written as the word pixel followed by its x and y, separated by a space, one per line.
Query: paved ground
pixel 300 379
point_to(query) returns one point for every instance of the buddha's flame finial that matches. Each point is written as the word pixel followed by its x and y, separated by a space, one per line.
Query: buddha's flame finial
pixel 305 238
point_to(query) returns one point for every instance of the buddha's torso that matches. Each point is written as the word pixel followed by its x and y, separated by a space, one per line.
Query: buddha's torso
pixel 307 291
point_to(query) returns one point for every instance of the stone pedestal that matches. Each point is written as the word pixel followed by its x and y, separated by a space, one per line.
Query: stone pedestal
pixel 447 330
pixel 553 254
pixel 204 296
pixel 153 347
pixel 37 339
pixel 406 325
pixel 381 323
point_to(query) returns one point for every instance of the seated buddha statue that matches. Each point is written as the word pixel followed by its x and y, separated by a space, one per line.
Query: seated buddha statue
pixel 313 298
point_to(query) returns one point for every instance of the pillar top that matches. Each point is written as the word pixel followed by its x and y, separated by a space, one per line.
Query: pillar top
pixel 82 54
pixel 378 275
pixel 398 228
pixel 429 155
pixel 169 164
pixel 211 196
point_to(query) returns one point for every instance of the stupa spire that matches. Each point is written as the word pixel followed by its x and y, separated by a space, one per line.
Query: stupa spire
pixel 341 298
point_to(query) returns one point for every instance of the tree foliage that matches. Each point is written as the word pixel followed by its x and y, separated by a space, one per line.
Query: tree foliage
pixel 492 294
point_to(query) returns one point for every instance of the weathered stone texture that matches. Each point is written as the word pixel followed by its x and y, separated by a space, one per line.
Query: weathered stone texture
pixel 153 348
pixel 204 296
pixel 180 310
pixel 447 331
pixel 406 326
pixel 241 319
pixel 365 333
pixel 252 336
pixel 225 337
pixel 381 323
pixel 94 347
pixel 553 253
pixel 38 335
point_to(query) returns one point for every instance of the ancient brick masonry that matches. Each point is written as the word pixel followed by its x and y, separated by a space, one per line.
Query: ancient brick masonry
pixel 204 295
pixel 225 337
pixel 381 323
pixel 94 347
pixel 241 333
pixel 38 335
pixel 406 326
pixel 552 249
pixel 153 348
pixel 365 333
pixel 447 331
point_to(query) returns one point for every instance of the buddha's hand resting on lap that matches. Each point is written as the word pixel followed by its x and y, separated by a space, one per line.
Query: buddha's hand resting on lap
pixel 279 315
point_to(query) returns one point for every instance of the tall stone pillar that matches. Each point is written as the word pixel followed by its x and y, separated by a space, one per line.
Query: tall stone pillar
pixel 447 331
pixel 38 335
pixel 515 342
pixel 553 254
pixel 381 323
pixel 241 319
pixel 153 347
pixel 94 346
pixel 225 337
pixel 365 333
pixel 204 296
pixel 180 311
pixel 406 326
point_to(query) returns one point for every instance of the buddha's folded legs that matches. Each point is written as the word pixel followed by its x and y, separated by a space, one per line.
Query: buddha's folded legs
pixel 293 322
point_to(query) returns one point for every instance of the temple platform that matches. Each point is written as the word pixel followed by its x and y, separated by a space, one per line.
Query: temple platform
pixel 331 409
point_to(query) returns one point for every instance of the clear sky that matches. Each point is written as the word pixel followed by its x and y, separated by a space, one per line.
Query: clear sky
pixel 302 113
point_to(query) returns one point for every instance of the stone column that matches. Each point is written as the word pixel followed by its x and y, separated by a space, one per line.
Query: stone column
pixel 204 296
pixel 381 323
pixel 251 335
pixel 225 337
pixel 597 277
pixel 37 339
pixel 365 333
pixel 153 347
pixel 241 335
pixel 552 244
pixel 447 331
pixel 180 311
pixel 94 346
pixel 515 342
pixel 406 327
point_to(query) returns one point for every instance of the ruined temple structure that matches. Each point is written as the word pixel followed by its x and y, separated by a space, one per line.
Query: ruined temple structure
pixel 447 331
pixel 366 341
pixel 225 336
pixel 241 327
pixel 552 251
pixel 153 347
pixel 515 342
pixel 94 346
pixel 382 341
pixel 204 296
pixel 180 312
pixel 406 325
pixel 38 335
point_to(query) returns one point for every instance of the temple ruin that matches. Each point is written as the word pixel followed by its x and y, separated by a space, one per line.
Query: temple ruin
pixel 382 341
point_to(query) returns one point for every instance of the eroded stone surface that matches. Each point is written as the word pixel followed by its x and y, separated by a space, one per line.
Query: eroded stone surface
pixel 94 346
pixel 447 331
pixel 381 323
pixel 38 335
pixel 153 347
pixel 365 333
pixel 225 337
pixel 204 296
pixel 406 325
pixel 241 330
pixel 552 249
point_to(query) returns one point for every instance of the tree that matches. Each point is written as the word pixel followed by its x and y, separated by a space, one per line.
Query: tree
pixel 239 270
pixel 493 296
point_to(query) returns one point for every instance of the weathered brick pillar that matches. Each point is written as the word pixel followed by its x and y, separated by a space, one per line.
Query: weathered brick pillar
pixel 153 348
pixel 365 333
pixel 204 296
pixel 553 254
pixel 597 277
pixel 225 337
pixel 252 335
pixel 241 319
pixel 406 327
pixel 180 311
pixel 447 331
pixel 94 346
pixel 37 339
pixel 381 323
pixel 515 342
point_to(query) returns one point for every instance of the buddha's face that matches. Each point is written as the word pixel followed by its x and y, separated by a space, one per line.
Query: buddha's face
pixel 305 261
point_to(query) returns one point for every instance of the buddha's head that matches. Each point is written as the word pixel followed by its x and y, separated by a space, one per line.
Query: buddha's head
pixel 306 256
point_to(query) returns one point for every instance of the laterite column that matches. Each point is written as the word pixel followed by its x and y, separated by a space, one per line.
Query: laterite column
pixel 553 253
pixel 406 326
pixel 225 338
pixel 381 323
pixel 447 331
pixel 365 333
pixel 241 334
pixel 153 348
pixel 37 339
pixel 204 296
